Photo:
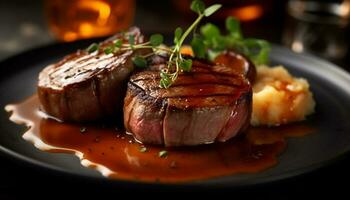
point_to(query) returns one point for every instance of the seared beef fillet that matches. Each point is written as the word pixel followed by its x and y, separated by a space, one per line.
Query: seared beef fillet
pixel 85 87
pixel 210 103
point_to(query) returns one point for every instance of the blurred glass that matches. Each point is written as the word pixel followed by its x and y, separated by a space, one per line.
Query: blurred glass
pixel 246 10
pixel 318 27
pixel 76 19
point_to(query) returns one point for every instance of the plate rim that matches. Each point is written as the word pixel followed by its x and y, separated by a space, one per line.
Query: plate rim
pixel 212 183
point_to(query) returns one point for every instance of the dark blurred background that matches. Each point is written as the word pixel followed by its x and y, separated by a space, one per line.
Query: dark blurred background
pixel 318 27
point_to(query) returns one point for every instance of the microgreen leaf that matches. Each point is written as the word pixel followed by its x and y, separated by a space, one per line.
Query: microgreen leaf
pixel 92 48
pixel 212 54
pixel 198 47
pixel 232 25
pixel 198 6
pixel 118 43
pixel 109 50
pixel 212 9
pixel 218 43
pixel 175 57
pixel 131 40
pixel 214 42
pixel 259 50
pixel 209 30
pixel 156 40
pixel 164 75
pixel 186 65
pixel 139 61
pixel 177 34
pixel 165 83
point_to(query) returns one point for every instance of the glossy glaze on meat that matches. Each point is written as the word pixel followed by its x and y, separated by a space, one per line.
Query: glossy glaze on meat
pixel 86 87
pixel 210 103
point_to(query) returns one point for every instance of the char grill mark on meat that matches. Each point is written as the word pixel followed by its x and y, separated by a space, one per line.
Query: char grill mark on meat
pixel 195 78
pixel 86 87
pixel 210 103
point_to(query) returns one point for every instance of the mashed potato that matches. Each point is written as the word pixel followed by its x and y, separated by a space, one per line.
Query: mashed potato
pixel 279 98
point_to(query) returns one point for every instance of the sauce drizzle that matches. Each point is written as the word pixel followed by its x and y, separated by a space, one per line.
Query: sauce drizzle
pixel 117 155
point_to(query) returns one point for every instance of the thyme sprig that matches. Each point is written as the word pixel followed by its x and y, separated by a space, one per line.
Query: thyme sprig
pixel 208 43
pixel 155 42
pixel 176 62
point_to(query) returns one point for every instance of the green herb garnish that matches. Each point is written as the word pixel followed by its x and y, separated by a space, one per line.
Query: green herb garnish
pixel 143 149
pixel 92 48
pixel 163 154
pixel 156 40
pixel 176 62
pixel 131 41
pixel 118 43
pixel 83 129
pixel 139 61
pixel 210 42
pixel 109 49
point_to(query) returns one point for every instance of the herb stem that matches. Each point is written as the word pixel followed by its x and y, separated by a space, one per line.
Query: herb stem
pixel 176 50
pixel 188 31
pixel 163 49
pixel 137 45
pixel 146 47
pixel 148 55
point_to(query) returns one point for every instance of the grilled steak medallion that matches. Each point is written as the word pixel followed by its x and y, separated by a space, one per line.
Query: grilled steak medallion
pixel 210 103
pixel 85 87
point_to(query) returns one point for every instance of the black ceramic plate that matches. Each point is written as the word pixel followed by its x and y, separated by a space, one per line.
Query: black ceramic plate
pixel 329 83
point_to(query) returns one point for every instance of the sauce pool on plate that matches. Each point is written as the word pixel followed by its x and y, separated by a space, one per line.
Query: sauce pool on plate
pixel 117 155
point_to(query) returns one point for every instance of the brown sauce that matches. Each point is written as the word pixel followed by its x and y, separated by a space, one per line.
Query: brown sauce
pixel 118 155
